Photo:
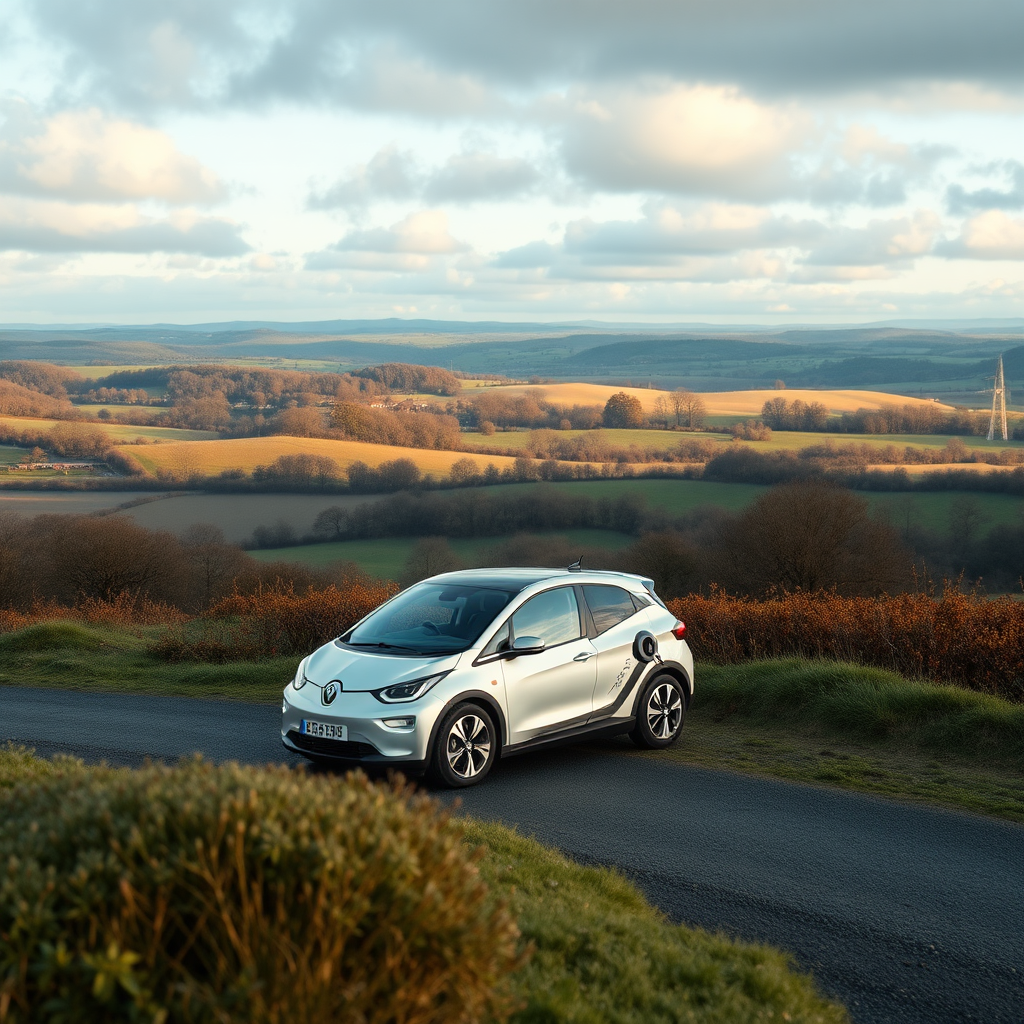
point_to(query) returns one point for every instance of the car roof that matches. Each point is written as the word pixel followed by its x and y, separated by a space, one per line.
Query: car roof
pixel 516 579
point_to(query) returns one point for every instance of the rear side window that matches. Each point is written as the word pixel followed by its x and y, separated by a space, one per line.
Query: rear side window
pixel 554 616
pixel 608 606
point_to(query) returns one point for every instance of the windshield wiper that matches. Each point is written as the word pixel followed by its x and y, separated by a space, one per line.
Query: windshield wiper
pixel 380 643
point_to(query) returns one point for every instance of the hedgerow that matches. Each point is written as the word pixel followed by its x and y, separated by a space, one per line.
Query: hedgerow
pixel 962 639
pixel 216 894
pixel 273 621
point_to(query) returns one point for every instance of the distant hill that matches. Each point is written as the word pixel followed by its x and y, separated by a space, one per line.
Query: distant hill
pixel 702 357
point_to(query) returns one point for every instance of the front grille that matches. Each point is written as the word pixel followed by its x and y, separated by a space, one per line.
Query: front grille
pixel 335 748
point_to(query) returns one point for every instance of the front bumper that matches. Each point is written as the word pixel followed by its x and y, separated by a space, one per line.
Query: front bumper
pixel 369 741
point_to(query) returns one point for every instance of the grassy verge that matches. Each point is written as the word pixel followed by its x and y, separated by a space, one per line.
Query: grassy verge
pixel 101 659
pixel 812 722
pixel 862 729
pixel 603 955
pixel 597 952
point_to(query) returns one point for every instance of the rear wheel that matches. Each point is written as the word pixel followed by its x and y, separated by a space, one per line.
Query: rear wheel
pixel 465 748
pixel 660 713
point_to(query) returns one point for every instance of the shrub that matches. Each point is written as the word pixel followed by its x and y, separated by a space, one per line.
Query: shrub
pixel 211 894
pixel 125 610
pixel 273 621
pixel 960 639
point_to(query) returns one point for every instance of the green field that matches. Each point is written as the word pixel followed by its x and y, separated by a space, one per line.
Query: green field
pixel 386 558
pixel 10 456
pixel 149 411
pixel 117 432
pixel 928 508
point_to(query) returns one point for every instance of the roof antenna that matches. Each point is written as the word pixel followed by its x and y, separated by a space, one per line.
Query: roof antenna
pixel 576 566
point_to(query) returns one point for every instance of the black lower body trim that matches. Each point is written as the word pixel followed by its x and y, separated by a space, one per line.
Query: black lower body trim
pixel 332 748
pixel 594 730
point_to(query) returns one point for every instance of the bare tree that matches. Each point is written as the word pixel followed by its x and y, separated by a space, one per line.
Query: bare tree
pixel 429 557
pixel 689 408
pixel 213 564
pixel 811 536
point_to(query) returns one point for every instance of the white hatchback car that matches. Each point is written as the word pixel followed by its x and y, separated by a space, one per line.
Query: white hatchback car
pixel 466 667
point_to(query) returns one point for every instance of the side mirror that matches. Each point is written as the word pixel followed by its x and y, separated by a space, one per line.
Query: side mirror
pixel 527 645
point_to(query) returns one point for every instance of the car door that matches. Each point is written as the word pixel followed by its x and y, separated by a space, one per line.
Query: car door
pixel 554 688
pixel 616 622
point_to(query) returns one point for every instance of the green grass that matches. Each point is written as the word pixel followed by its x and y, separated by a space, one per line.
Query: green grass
pixel 603 955
pixel 859 728
pixel 927 508
pixel 386 558
pixel 11 456
pixel 594 950
pixel 101 659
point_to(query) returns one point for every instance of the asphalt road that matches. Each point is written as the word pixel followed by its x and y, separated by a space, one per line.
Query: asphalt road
pixel 904 913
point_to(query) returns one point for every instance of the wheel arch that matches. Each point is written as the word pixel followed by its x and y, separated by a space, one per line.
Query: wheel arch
pixel 472 697
pixel 667 668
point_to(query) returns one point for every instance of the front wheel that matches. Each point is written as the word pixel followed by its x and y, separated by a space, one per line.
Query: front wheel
pixel 465 748
pixel 660 713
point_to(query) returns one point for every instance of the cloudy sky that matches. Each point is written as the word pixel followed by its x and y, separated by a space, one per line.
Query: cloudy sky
pixel 665 160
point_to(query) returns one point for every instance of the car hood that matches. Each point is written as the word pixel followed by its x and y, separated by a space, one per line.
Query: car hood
pixel 370 670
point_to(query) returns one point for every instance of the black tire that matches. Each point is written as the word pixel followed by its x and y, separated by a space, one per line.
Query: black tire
pixel 660 713
pixel 465 747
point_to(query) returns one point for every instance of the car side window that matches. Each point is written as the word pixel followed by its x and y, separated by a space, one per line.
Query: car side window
pixel 498 643
pixel 608 606
pixel 554 616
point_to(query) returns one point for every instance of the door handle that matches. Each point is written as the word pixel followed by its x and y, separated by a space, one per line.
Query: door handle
pixel 583 656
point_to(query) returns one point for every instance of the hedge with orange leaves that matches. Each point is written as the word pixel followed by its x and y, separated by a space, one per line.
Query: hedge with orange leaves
pixel 273 621
pixel 124 611
pixel 961 639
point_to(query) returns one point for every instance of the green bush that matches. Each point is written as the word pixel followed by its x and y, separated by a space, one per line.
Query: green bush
pixel 232 894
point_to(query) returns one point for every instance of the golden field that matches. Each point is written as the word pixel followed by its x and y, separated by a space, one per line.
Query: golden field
pixel 119 433
pixel 211 457
pixel 719 403
pixel 916 469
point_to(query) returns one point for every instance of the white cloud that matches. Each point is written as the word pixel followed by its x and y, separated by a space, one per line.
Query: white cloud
pixel 1009 197
pixel 879 243
pixel 993 235
pixel 665 231
pixel 394 174
pixel 700 140
pixel 85 155
pixel 390 174
pixel 469 177
pixel 37 226
pixel 411 244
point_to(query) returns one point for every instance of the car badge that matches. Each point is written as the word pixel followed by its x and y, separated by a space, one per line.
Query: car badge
pixel 330 691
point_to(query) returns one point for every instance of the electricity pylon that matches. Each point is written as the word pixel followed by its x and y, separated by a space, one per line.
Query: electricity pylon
pixel 998 404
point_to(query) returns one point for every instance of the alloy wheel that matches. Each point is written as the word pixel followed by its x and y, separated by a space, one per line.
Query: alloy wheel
pixel 468 747
pixel 664 711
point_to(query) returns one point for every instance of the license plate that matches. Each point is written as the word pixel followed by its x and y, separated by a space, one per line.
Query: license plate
pixel 324 730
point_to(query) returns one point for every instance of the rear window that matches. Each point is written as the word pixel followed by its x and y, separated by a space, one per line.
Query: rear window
pixel 608 606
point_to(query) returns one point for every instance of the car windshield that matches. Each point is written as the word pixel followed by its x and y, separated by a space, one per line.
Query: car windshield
pixel 430 618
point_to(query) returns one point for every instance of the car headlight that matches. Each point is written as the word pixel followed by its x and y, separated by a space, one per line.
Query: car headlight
pixel 300 679
pixel 401 693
